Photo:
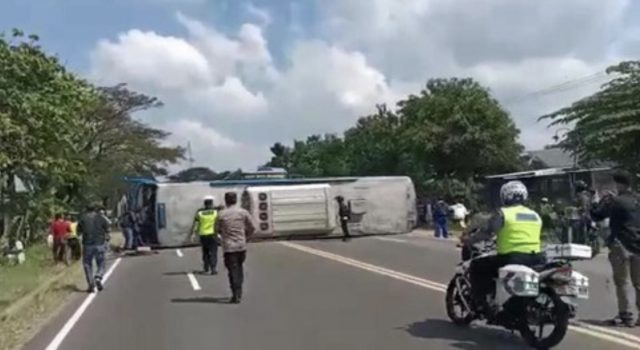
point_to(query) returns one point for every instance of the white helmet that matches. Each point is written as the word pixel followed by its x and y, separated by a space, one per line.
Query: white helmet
pixel 513 192
pixel 209 199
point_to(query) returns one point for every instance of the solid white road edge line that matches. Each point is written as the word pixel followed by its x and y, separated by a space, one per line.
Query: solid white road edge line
pixel 602 333
pixel 194 282
pixel 389 239
pixel 179 253
pixel 57 340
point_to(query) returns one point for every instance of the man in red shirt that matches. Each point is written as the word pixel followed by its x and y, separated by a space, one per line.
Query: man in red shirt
pixel 60 228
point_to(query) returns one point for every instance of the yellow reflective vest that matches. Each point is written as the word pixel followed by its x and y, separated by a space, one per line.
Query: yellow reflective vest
pixel 521 231
pixel 73 226
pixel 206 219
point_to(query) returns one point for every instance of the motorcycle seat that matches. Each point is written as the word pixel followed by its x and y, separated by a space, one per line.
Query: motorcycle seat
pixel 539 267
pixel 547 266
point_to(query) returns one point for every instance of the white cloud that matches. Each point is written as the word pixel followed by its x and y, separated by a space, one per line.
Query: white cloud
pixel 185 130
pixel 148 59
pixel 514 47
pixel 229 99
pixel 261 15
pixel 325 89
pixel 364 52
pixel 212 149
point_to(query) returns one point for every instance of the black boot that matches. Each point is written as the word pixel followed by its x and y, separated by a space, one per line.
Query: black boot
pixel 99 284
pixel 237 296
pixel 622 320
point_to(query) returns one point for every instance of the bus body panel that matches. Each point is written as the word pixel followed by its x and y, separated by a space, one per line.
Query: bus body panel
pixel 380 205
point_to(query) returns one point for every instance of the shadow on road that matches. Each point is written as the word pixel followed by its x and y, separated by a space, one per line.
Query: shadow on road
pixel 70 288
pixel 209 300
pixel 184 273
pixel 176 273
pixel 600 323
pixel 466 338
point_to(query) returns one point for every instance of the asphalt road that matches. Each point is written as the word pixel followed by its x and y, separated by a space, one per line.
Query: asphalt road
pixel 370 293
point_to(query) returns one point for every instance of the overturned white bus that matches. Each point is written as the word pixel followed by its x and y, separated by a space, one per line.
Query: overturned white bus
pixel 280 207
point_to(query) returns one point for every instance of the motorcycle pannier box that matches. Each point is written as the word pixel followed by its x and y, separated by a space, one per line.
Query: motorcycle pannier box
pixel 518 280
pixel 568 251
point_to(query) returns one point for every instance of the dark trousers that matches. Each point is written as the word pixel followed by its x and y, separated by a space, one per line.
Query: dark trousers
pixel 209 246
pixel 127 232
pixel 59 250
pixel 234 262
pixel 485 270
pixel 626 267
pixel 74 246
pixel 137 238
pixel 93 253
pixel 442 229
pixel 345 228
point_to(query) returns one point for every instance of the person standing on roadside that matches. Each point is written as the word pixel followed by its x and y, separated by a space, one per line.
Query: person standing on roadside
pixel 344 211
pixel 73 243
pixel 441 218
pixel 235 226
pixel 127 225
pixel 581 218
pixel 59 230
pixel 623 211
pixel 549 219
pixel 94 228
pixel 460 213
pixel 205 224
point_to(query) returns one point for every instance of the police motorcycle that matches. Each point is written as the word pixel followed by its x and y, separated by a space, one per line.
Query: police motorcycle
pixel 537 302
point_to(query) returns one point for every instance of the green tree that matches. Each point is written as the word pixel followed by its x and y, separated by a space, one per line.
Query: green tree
pixel 281 156
pixel 114 143
pixel 41 108
pixel 68 141
pixel 319 156
pixel 41 105
pixel 457 130
pixel 373 147
pixel 314 157
pixel 446 139
pixel 197 174
pixel 606 125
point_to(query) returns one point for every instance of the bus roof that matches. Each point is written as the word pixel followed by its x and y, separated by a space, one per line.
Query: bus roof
pixel 544 172
pixel 280 182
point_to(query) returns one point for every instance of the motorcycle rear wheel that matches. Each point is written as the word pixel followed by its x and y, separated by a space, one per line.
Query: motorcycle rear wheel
pixel 453 301
pixel 560 314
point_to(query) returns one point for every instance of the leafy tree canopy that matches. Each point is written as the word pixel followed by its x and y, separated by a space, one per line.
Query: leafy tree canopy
pixel 606 125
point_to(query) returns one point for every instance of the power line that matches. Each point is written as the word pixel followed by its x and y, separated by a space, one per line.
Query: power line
pixel 562 87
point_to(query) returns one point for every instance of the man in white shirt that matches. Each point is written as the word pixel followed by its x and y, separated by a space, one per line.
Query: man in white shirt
pixel 460 213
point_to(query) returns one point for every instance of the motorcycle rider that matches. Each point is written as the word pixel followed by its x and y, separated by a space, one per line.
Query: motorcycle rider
pixel 518 230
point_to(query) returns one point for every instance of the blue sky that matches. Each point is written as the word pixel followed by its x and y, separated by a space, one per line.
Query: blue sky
pixel 238 75
pixel 71 28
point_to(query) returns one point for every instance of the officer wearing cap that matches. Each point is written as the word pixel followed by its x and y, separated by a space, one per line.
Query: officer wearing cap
pixel 204 223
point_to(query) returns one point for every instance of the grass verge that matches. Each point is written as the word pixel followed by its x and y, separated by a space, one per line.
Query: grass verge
pixel 30 294
pixel 21 325
pixel 21 279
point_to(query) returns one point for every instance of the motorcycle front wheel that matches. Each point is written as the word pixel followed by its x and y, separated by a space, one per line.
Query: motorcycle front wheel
pixel 459 294
pixel 545 311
